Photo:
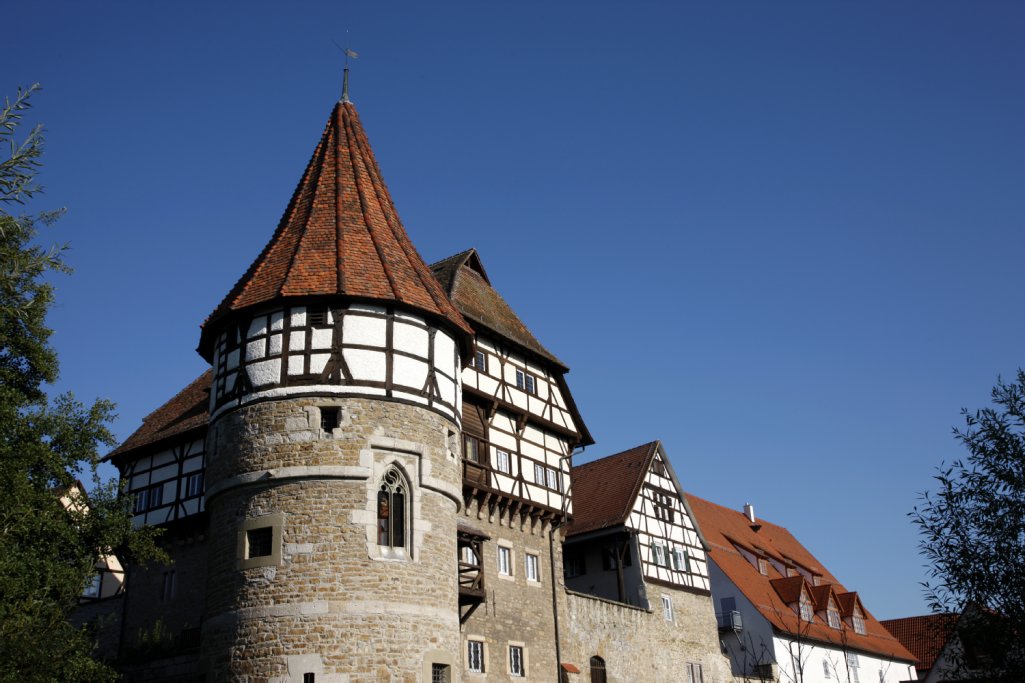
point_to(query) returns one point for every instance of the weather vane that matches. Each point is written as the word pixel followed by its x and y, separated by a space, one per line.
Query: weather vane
pixel 348 52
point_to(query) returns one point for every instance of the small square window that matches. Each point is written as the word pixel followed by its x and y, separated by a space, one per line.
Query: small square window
pixel 504 561
pixel 516 661
pixel 694 673
pixel 552 479
pixel 763 566
pixel 441 673
pixel 574 565
pixel 667 607
pixel 259 542
pixel 316 316
pixel 475 656
pixel 531 567
pixel 658 555
pixel 330 418
pixel 539 474
pixel 309 678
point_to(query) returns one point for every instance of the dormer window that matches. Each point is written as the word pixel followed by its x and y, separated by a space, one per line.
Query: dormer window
pixel 526 381
pixel 858 621
pixel 805 608
pixel 833 615
pixel 763 566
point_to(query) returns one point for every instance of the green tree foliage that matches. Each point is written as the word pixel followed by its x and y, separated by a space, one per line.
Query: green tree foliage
pixel 47 552
pixel 973 536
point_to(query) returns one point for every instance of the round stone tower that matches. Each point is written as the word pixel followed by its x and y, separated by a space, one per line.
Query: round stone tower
pixel 333 477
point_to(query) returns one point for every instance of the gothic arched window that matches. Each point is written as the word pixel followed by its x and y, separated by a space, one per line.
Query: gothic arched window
pixel 391 510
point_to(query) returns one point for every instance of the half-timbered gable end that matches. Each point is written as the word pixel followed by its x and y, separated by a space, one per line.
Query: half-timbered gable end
pixel 520 424
pixel 633 525
pixel 163 462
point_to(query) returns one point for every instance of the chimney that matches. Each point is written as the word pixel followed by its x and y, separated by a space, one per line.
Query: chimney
pixel 749 512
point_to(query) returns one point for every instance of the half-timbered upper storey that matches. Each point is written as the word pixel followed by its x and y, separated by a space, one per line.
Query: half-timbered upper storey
pixel 520 424
pixel 632 524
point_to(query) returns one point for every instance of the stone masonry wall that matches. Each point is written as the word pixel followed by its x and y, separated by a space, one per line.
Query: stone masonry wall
pixel 517 611
pixel 331 602
pixel 641 645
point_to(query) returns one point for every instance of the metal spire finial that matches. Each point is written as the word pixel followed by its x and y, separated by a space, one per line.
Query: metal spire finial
pixel 345 73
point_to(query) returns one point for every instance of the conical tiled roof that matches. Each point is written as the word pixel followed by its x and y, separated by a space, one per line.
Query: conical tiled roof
pixel 340 235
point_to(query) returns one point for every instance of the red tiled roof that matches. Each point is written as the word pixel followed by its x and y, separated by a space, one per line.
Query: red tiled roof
pixel 340 236
pixel 462 276
pixel 464 279
pixel 604 490
pixel 924 636
pixel 788 588
pixel 726 529
pixel 186 411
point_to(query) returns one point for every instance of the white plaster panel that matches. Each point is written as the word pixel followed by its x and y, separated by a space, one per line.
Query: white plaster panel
pixel 277 320
pixel 162 458
pixel 299 316
pixel 295 365
pixel 275 344
pixel 192 506
pixel 264 372
pixel 164 472
pixel 410 339
pixel 254 349
pixel 232 360
pixel 297 340
pixel 447 389
pixel 409 372
pixel 139 481
pixel 358 329
pixel 321 338
pixel 415 398
pixel 192 464
pixel 318 361
pixel 445 353
pixel 366 365
pixel 258 326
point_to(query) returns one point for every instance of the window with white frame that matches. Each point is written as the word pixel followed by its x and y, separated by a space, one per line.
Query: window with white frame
pixel 832 615
pixel 502 463
pixel 516 666
pixel 526 381
pixel 694 673
pixel 194 485
pixel 658 555
pixel 480 361
pixel 667 607
pixel 552 479
pixel 539 474
pixel 807 612
pixel 475 656
pixel 504 561
pixel 852 666
pixel 530 564
pixel 858 619
pixel 681 561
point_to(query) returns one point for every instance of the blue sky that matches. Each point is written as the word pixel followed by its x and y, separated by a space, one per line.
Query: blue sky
pixel 783 237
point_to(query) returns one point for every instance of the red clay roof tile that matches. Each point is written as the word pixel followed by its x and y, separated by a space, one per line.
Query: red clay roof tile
pixel 924 636
pixel 340 236
pixel 604 490
pixel 725 529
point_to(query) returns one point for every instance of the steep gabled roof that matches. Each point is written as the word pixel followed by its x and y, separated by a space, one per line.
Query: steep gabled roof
pixel 186 411
pixel 604 490
pixel 924 636
pixel 463 278
pixel 339 236
pixel 728 531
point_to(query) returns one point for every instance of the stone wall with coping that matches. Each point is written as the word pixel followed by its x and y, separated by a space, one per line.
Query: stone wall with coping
pixel 639 644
